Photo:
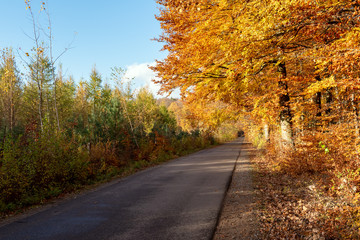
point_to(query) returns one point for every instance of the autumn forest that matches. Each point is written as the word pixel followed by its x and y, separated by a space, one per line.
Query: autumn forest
pixel 289 71
pixel 285 72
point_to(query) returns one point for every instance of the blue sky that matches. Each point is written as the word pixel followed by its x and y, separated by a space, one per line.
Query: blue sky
pixel 107 33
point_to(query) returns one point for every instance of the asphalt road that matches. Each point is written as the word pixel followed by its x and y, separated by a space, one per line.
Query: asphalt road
pixel 177 200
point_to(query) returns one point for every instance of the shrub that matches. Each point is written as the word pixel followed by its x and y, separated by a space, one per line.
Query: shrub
pixel 42 168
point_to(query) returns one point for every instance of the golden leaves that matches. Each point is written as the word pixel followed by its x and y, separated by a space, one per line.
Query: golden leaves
pixel 230 51
pixel 42 7
pixel 27 3
pixel 320 86
pixel 228 55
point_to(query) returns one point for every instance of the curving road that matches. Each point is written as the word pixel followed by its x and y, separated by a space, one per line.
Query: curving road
pixel 177 200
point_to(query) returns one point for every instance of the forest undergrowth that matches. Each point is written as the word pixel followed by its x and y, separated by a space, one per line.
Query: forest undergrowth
pixel 306 195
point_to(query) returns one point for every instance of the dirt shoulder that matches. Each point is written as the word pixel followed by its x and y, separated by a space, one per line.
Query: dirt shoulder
pixel 238 218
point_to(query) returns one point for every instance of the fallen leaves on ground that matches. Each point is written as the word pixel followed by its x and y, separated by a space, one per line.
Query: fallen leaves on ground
pixel 299 206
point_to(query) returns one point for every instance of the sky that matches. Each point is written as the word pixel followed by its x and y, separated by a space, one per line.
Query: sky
pixel 108 33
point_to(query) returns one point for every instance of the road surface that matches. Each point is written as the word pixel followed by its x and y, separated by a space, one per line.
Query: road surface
pixel 180 199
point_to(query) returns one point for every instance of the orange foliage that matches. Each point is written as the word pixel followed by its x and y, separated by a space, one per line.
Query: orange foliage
pixel 288 66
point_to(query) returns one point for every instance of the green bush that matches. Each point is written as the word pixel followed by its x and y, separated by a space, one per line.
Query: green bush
pixel 39 169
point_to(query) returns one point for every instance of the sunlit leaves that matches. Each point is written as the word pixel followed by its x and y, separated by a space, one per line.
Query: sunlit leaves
pixel 270 61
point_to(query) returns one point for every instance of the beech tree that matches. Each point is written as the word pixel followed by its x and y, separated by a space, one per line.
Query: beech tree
pixel 268 59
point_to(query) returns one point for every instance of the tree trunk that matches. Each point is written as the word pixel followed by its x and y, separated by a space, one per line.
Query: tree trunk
pixel 266 130
pixel 356 115
pixel 285 113
pixel 12 105
pixel 317 101
pixel 55 100
pixel 328 111
pixel 40 108
pixel 328 100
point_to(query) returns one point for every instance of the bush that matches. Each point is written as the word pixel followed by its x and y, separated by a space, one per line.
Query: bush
pixel 39 169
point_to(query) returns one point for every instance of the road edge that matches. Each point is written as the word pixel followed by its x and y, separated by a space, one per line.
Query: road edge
pixel 228 184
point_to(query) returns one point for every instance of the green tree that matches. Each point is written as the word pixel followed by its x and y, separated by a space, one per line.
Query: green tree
pixel 93 91
pixel 65 98
pixel 10 91
pixel 40 72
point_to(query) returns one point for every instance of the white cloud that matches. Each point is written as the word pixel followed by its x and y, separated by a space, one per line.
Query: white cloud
pixel 142 76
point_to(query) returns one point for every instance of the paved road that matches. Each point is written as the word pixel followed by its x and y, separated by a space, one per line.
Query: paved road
pixel 177 200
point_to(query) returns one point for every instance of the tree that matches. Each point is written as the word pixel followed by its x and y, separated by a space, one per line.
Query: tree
pixel 40 49
pixel 124 95
pixel 10 90
pixel 65 97
pixel 247 53
pixel 219 51
pixel 93 92
pixel 38 90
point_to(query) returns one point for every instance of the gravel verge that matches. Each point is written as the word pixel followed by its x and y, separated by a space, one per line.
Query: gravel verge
pixel 238 218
